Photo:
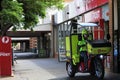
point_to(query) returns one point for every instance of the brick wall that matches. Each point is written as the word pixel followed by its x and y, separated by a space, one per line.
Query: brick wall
pixel 111 31
pixel 33 42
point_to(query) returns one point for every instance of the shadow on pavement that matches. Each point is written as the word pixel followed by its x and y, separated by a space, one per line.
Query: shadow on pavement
pixel 26 55
pixel 58 69
pixel 85 77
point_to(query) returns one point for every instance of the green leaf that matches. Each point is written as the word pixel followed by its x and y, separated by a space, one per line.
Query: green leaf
pixel 24 13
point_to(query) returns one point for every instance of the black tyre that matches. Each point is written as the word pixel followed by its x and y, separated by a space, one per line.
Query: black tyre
pixel 70 69
pixel 99 69
pixel 92 68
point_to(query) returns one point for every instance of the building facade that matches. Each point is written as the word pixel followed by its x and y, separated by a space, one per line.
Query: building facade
pixel 37 41
pixel 114 30
pixel 103 12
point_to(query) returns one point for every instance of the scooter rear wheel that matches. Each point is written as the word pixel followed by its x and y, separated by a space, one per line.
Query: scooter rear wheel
pixel 70 69
pixel 99 69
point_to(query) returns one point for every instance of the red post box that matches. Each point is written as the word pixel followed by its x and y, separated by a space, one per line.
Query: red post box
pixel 5 56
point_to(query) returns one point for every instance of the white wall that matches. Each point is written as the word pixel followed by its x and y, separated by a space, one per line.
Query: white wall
pixel 61 16
pixel 43 27
pixel 58 17
pixel 72 10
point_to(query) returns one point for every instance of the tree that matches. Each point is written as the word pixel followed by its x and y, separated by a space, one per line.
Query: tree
pixel 23 13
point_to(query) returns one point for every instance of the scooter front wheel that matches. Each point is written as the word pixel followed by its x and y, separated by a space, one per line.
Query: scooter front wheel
pixel 70 69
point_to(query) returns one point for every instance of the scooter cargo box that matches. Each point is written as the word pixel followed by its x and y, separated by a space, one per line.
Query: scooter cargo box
pixel 98 47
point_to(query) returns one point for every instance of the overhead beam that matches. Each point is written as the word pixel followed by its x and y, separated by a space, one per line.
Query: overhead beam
pixel 26 33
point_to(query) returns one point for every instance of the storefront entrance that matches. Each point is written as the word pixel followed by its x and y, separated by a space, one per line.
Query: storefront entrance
pixel 118 40
pixel 116 35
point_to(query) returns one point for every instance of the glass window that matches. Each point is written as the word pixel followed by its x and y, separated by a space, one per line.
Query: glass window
pixel 61 42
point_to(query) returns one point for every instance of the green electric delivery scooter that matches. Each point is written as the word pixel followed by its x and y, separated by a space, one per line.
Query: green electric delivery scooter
pixel 96 50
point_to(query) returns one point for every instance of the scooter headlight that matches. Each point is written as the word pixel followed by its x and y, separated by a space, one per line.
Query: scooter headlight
pixel 101 56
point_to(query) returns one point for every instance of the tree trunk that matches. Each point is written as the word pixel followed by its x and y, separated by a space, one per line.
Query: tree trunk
pixel 3 30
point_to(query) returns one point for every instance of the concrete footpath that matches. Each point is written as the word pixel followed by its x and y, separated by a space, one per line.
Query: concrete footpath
pixel 37 69
pixel 48 69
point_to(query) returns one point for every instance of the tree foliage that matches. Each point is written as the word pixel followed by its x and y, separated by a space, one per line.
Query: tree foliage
pixel 24 13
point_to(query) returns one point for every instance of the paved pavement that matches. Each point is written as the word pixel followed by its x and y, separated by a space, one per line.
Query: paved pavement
pixel 48 69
